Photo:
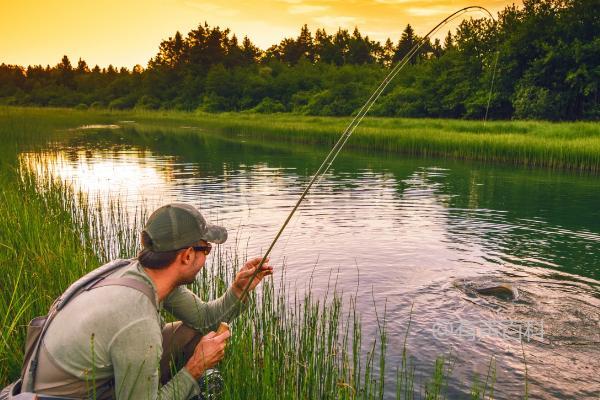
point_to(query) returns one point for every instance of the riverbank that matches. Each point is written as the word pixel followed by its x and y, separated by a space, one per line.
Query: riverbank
pixel 570 145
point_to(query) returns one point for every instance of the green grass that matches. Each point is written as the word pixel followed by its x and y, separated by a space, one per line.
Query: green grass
pixel 572 145
pixel 538 144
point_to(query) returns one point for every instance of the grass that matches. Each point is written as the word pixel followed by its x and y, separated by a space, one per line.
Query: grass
pixel 286 345
pixel 572 145
pixel 535 144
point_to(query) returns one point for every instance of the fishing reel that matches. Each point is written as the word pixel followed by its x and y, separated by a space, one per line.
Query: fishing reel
pixel 211 384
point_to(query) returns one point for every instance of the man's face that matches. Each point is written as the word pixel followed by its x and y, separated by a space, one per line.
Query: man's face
pixel 198 261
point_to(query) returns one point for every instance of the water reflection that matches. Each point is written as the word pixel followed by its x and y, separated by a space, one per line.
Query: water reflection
pixel 130 175
pixel 392 230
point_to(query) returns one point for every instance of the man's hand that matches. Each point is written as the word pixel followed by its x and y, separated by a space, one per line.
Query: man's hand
pixel 208 352
pixel 243 276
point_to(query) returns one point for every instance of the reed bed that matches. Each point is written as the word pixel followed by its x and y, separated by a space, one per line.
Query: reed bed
pixel 573 146
pixel 568 145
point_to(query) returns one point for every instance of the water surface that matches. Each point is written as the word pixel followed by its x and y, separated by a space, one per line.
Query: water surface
pixel 399 232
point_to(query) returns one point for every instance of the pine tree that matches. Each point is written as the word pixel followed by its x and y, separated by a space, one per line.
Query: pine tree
pixel 64 71
pixel 305 45
pixel 340 46
pixel 405 44
pixel 82 67
pixel 358 49
pixel 388 53
pixel 250 52
pixel 436 49
pixel 448 41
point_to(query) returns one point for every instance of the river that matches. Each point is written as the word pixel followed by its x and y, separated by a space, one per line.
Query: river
pixel 399 232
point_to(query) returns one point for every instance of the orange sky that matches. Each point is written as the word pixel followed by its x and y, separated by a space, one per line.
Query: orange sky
pixel 128 32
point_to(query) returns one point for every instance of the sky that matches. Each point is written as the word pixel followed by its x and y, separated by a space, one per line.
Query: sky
pixel 128 32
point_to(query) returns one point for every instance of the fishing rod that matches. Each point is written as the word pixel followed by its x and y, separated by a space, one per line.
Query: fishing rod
pixel 335 150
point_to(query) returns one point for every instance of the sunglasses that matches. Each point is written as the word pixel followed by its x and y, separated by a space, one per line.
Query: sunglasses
pixel 205 249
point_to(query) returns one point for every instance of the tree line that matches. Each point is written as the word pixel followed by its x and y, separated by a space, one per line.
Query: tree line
pixel 540 60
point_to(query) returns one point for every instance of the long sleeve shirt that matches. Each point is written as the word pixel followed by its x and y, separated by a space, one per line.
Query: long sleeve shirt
pixel 115 331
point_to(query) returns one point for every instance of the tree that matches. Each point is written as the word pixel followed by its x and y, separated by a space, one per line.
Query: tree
pixel 388 53
pixel 448 41
pixel 436 49
pixel 82 67
pixel 405 44
pixel 547 68
pixel 325 51
pixel 12 78
pixel 250 53
pixel 170 52
pixel 305 44
pixel 65 72
pixel 359 51
pixel 340 42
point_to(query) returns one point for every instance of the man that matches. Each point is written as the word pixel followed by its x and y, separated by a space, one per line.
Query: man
pixel 110 342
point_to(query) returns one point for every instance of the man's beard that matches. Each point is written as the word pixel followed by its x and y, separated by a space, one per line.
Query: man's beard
pixel 188 281
pixel 192 279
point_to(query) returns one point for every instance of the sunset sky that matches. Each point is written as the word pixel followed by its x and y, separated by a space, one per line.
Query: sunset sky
pixel 125 33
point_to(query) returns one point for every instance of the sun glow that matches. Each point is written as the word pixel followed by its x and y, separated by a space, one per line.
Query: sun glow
pixel 128 33
pixel 100 173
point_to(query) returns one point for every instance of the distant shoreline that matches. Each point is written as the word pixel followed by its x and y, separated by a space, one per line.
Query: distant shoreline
pixel 553 145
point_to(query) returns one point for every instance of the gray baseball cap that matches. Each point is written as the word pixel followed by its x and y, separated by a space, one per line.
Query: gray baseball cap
pixel 179 225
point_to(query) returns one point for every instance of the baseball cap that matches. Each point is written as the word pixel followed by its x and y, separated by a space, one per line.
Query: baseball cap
pixel 177 225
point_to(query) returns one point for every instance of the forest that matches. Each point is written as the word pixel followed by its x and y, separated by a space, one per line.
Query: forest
pixel 540 60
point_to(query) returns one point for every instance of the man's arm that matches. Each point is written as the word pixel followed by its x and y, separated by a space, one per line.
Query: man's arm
pixel 203 316
pixel 135 353
pixel 206 316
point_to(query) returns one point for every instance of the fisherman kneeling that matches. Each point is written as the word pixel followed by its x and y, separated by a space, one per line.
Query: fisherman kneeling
pixel 109 341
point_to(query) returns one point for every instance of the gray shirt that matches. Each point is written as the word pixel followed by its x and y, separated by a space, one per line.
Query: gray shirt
pixel 115 331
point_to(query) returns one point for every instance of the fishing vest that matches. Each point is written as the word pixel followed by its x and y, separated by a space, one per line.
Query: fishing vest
pixel 22 389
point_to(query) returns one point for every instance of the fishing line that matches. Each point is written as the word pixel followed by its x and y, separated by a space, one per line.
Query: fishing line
pixel 401 64
pixel 416 47
pixel 487 108
pixel 339 144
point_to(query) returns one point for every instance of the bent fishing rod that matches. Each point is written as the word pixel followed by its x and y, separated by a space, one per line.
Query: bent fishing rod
pixel 335 150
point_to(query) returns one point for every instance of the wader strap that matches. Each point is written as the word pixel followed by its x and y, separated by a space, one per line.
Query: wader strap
pixel 87 280
pixel 130 283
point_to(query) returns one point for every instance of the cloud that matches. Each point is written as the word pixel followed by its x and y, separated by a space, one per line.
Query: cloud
pixel 430 11
pixel 306 9
pixel 213 8
pixel 394 1
pixel 343 22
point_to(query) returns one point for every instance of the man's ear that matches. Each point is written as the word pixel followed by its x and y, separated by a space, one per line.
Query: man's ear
pixel 186 256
